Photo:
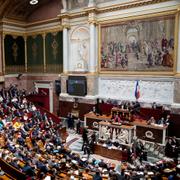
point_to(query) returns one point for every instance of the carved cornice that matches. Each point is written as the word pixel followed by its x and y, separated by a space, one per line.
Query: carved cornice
pixel 116 7
pixel 133 4
pixel 91 9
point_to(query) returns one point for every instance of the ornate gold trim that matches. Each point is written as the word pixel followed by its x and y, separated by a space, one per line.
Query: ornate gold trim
pixel 42 22
pixel 70 73
pixel 136 75
pixel 60 28
pixel 151 15
pixel 13 33
pixel 176 42
pixel 111 8
pixel 44 51
pixel 3 47
pixel 137 17
pixel 9 21
pixel 177 75
pixel 128 5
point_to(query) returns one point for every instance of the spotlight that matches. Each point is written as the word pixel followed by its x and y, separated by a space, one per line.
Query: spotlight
pixel 33 2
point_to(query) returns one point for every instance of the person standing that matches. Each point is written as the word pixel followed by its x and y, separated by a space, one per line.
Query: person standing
pixel 78 126
pixel 85 137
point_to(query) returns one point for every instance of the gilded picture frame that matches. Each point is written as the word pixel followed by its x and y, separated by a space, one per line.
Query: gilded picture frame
pixel 139 45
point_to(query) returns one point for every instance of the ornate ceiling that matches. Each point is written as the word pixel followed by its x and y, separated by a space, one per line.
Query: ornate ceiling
pixel 18 9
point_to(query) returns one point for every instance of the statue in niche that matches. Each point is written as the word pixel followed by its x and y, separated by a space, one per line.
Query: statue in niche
pixel 82 56
pixel 82 51
pixel 64 3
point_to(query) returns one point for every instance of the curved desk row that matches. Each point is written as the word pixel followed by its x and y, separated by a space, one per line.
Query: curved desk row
pixel 12 171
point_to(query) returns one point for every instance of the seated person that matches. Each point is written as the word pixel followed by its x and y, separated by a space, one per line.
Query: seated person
pixel 151 121
pixel 154 105
pixel 161 121
pixel 108 142
pixel 117 119
pixel 136 107
pixel 167 121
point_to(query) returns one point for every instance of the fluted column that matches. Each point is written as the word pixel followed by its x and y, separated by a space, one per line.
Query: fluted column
pixel 92 63
pixel 25 50
pixel 65 49
pixel 44 51
pixel 93 42
pixel 1 53
pixel 178 41
pixel 4 35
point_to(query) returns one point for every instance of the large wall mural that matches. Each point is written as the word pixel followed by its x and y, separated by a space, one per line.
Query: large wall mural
pixel 54 52
pixel 138 45
pixel 14 54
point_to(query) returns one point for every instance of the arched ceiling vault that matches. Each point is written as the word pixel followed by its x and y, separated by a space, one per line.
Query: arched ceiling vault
pixel 19 9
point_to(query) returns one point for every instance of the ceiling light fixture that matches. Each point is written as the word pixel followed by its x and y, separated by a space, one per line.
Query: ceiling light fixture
pixel 33 2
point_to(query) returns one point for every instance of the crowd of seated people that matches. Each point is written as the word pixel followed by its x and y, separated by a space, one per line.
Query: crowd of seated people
pixel 162 121
pixel 30 141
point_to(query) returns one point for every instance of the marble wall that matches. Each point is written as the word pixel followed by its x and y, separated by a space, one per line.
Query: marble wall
pixel 177 91
pixel 150 90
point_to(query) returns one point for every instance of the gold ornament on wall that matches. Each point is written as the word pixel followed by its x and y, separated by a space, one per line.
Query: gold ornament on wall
pixel 54 46
pixel 34 50
pixel 15 49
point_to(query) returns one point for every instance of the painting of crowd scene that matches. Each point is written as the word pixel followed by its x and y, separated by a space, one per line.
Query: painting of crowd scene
pixel 138 45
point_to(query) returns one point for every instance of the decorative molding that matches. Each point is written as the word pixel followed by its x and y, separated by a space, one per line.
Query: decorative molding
pixel 111 8
pixel 128 5
pixel 151 91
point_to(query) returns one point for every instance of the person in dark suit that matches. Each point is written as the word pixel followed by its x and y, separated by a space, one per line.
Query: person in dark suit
pixel 85 137
pixel 97 176
pixel 78 125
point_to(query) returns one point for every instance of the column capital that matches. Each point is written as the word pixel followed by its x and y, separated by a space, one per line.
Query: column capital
pixel 44 35
pixel 65 22
pixel 66 26
pixel 178 9
pixel 64 15
pixel 92 19
pixel 3 35
pixel 25 38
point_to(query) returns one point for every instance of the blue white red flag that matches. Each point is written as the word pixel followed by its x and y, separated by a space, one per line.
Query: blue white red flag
pixel 137 90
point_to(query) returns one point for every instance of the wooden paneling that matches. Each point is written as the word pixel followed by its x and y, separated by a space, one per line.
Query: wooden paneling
pixel 66 107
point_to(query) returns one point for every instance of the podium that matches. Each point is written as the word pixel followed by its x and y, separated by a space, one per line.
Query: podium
pixel 123 134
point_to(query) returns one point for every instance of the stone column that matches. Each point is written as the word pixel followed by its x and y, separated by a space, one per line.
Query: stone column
pixel 1 54
pixel 4 35
pixel 178 43
pixel 64 85
pixel 25 50
pixel 93 44
pixel 44 51
pixel 65 50
pixel 177 78
pixel 92 84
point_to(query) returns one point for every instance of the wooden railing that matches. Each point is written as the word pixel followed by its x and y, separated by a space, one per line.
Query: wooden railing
pixel 12 171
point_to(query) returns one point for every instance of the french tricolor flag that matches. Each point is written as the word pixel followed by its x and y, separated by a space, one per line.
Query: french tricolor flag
pixel 137 90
